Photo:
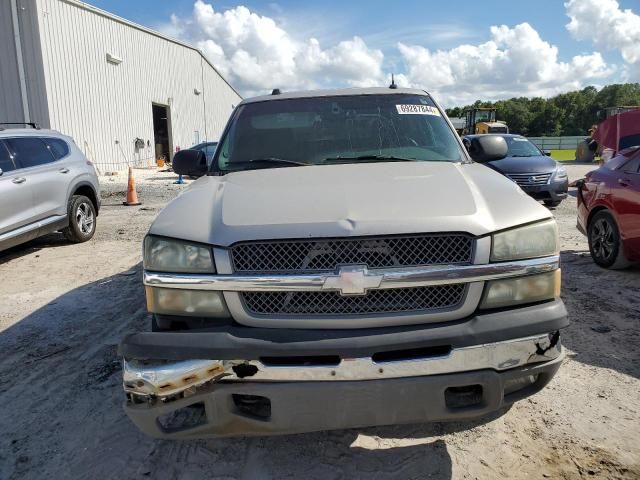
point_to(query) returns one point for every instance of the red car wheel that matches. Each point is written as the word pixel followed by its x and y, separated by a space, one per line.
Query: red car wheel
pixel 604 241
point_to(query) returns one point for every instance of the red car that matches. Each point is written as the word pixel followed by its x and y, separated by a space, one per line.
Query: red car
pixel 609 210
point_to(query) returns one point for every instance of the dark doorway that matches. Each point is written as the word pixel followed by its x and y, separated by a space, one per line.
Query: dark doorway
pixel 161 132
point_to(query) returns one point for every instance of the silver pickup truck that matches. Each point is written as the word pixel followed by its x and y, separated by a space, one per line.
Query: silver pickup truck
pixel 343 262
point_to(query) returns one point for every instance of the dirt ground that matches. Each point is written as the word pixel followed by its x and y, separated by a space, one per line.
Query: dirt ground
pixel 64 308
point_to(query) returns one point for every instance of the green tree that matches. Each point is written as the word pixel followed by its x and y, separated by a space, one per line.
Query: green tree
pixel 515 113
pixel 570 113
pixel 454 112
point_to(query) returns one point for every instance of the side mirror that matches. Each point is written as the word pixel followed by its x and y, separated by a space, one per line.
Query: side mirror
pixel 485 148
pixel 547 153
pixel 190 162
pixel 1 172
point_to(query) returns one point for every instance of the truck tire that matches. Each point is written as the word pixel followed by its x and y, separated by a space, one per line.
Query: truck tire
pixel 583 153
pixel 82 219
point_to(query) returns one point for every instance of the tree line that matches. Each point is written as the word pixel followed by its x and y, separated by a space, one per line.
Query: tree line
pixel 571 113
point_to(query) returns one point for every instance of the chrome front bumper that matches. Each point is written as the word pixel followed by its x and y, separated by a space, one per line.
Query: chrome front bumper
pixel 165 380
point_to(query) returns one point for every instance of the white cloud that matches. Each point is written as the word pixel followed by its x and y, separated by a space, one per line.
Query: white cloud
pixel 516 61
pixel 350 59
pixel 436 34
pixel 606 26
pixel 256 53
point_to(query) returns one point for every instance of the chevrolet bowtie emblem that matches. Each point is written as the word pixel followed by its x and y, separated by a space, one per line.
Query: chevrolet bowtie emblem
pixel 352 280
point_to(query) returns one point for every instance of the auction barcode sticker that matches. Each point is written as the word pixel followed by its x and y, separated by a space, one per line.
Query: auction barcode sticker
pixel 417 110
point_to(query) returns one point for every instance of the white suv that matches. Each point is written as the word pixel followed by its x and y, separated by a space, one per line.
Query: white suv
pixel 46 184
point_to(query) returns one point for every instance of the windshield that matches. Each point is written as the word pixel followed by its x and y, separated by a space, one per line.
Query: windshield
pixel 521 147
pixel 340 129
pixel 483 116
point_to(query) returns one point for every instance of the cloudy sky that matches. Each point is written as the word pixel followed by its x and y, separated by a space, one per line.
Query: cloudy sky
pixel 459 51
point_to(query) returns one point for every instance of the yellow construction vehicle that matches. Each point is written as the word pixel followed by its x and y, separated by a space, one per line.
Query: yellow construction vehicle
pixel 483 120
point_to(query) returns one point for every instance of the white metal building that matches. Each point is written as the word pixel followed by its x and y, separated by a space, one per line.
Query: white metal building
pixel 125 93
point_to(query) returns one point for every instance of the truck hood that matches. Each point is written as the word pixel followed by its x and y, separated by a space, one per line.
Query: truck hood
pixel 346 200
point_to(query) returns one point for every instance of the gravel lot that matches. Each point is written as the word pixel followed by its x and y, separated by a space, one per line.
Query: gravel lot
pixel 64 308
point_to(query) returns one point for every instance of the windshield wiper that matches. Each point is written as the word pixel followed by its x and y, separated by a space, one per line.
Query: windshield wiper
pixel 267 162
pixel 373 158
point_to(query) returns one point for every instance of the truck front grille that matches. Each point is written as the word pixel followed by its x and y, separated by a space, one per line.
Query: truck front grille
pixel 530 179
pixel 393 300
pixel 325 255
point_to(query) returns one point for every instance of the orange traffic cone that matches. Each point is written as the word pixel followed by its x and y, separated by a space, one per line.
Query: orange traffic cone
pixel 132 196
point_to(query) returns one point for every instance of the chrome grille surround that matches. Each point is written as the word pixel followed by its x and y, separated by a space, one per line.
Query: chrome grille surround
pixel 383 301
pixel 325 255
pixel 530 179
pixel 232 285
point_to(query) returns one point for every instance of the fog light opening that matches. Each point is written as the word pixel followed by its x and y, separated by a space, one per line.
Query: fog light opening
pixel 253 406
pixel 183 418
pixel 463 397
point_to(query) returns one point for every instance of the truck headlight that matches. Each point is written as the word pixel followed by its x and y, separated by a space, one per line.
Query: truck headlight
pixel 174 301
pixel 176 256
pixel 535 240
pixel 519 290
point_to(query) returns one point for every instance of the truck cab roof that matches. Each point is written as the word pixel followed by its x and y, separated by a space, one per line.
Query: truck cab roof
pixel 334 93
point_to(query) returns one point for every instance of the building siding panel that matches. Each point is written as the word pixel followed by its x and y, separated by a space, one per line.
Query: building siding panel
pixel 10 99
pixel 32 57
pixel 105 107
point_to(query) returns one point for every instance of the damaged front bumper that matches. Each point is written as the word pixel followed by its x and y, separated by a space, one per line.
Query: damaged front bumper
pixel 163 380
pixel 218 398
pixel 243 381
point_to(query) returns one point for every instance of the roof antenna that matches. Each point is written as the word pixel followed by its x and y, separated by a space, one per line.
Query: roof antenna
pixel 393 85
